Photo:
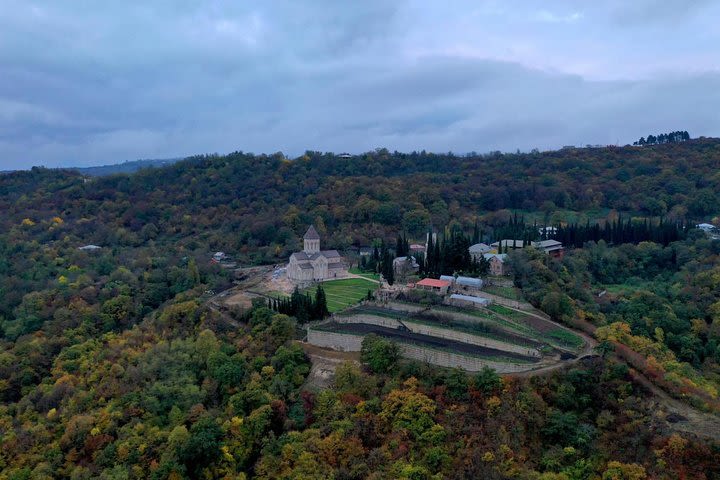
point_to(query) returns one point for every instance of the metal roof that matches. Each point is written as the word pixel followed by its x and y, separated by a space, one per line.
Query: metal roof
pixel 499 256
pixel 469 282
pixel 480 248
pixel 468 298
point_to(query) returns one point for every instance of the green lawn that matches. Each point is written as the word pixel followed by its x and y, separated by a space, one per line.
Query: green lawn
pixel 508 312
pixel 344 293
pixel 357 271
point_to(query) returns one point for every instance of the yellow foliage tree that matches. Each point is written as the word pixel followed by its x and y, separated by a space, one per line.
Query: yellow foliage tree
pixel 624 471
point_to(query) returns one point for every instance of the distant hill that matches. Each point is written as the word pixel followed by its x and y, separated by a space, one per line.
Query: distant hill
pixel 130 166
pixel 125 167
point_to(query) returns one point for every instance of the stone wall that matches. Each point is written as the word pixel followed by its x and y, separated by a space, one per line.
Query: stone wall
pixel 464 337
pixel 402 307
pixel 343 342
pixel 452 360
pixel 353 343
pixel 439 332
pixel 368 319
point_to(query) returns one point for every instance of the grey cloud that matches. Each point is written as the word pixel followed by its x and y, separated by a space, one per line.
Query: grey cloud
pixel 638 12
pixel 95 83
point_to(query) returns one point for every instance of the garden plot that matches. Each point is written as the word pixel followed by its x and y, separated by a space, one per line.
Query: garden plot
pixel 543 329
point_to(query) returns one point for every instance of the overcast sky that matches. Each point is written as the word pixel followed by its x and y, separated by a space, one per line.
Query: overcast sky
pixel 87 82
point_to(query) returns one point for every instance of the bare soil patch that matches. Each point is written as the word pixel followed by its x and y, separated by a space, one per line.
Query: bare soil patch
pixel 324 363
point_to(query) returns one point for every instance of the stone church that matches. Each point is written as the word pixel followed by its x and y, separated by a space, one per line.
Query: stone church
pixel 313 264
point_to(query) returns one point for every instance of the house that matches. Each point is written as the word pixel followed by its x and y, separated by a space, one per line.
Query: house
pixel 478 250
pixel 468 301
pixel 551 247
pixel 344 155
pixel 498 263
pixel 218 257
pixel 706 227
pixel 417 248
pixel 404 266
pixel 547 231
pixel 313 264
pixel 508 244
pixel 89 248
pixel 433 285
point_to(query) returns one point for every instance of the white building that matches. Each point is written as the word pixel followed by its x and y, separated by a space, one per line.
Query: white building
pixel 706 227
pixel 313 264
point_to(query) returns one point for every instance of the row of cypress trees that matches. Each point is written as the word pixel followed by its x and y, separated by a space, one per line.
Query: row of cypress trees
pixel 622 231
pixel 302 306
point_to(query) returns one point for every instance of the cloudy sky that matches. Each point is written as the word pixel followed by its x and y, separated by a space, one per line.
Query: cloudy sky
pixel 87 82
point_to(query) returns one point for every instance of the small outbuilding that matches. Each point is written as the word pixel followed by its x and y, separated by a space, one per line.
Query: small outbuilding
pixel 478 250
pixel 463 283
pixel 417 249
pixel 460 300
pixel 551 247
pixel 404 266
pixel 433 285
pixel 706 227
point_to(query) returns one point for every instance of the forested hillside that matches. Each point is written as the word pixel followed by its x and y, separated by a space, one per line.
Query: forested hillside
pixel 263 201
pixel 112 366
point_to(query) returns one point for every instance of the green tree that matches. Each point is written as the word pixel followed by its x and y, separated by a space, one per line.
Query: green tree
pixel 380 354
pixel 320 307
pixel 487 381
pixel 202 448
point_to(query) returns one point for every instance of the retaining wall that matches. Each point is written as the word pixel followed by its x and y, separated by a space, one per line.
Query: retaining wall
pixel 337 341
pixel 464 337
pixel 452 360
pixel 353 343
pixel 368 319
pixel 401 307
pixel 439 332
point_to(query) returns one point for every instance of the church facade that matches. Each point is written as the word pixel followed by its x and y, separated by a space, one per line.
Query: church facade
pixel 313 264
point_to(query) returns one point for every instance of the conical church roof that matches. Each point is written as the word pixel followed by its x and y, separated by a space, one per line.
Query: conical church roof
pixel 311 234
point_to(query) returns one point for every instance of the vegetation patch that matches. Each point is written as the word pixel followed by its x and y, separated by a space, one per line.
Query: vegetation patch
pixel 566 337
pixel 507 292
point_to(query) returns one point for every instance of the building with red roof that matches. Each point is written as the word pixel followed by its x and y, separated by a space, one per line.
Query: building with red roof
pixel 433 285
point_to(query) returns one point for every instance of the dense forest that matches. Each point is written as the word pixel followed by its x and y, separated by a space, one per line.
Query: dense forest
pixel 112 366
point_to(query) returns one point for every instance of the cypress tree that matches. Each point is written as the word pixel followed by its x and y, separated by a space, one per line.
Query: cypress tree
pixel 320 307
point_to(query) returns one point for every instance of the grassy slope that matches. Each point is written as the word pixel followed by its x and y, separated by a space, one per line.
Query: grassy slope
pixel 343 293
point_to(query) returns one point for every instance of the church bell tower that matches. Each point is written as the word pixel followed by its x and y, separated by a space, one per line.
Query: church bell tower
pixel 312 241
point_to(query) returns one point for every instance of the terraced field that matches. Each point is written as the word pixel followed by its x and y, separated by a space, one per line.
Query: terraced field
pixel 344 293
pixel 542 329
pixel 497 322
pixel 429 341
